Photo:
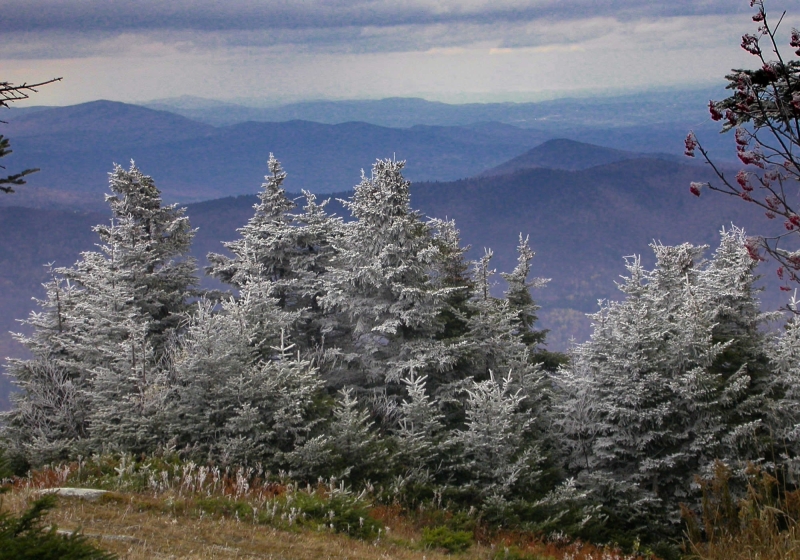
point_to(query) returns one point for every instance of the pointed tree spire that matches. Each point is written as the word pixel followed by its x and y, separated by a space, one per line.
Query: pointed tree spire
pixel 518 294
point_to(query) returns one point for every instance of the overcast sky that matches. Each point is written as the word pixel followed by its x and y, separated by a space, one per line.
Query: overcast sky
pixel 448 50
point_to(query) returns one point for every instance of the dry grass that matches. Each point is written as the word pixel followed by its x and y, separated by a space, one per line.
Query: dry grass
pixel 135 528
pixel 762 525
pixel 165 510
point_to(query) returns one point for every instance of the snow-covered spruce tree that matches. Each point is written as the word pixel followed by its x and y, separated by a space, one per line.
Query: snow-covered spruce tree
pixel 380 283
pixel 49 411
pixel 266 241
pixel 240 391
pixel 121 305
pixel 520 300
pixel 494 459
pixel 317 232
pixel 135 296
pixel 420 433
pixel 785 415
pixel 518 295
pixel 111 344
pixel 729 279
pixel 350 448
pixel 494 336
pixel 213 348
pixel 657 395
pixel 451 271
pixel 489 336
pixel 153 243
pixel 493 341
pixel 291 251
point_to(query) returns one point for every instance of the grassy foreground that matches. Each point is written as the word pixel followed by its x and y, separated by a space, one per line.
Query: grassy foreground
pixel 156 509
pixel 144 527
pixel 161 509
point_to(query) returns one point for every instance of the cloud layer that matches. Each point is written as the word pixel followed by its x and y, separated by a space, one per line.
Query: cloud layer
pixel 242 15
pixel 294 49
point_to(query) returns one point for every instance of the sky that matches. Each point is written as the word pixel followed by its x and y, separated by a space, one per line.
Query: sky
pixel 277 51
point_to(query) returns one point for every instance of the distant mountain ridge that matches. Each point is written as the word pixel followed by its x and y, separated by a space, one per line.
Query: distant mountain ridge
pixel 120 122
pixel 75 147
pixel 651 121
pixel 646 107
pixel 562 153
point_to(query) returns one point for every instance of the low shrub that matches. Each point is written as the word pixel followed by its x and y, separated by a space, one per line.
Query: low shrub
pixel 24 537
pixel 446 538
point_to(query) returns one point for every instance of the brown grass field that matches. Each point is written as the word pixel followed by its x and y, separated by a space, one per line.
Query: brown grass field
pixel 138 526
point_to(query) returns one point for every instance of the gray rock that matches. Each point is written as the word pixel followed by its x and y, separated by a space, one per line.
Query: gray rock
pixel 90 494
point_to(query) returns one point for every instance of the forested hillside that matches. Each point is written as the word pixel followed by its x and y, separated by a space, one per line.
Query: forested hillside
pixel 197 162
pixel 370 350
pixel 641 200
pixel 518 331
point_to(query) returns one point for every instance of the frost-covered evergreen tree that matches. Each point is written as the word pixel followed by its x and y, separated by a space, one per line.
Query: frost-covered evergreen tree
pixel 291 251
pixel 111 345
pixel 495 332
pixel 785 415
pixel 493 340
pixel 214 348
pixel 656 395
pixel 240 391
pixel 451 271
pixel 495 457
pixel 518 295
pixel 264 250
pixel 351 446
pixel 381 283
pixel 105 326
pixel 153 243
pixel 50 409
pixel 420 433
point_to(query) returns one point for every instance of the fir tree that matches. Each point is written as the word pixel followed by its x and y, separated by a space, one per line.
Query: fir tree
pixel 153 243
pixel 519 296
pixel 351 447
pixel 493 337
pixel 451 271
pixel 112 346
pixel 50 410
pixel 100 341
pixel 267 239
pixel 420 431
pixel 496 456
pixel 655 396
pixel 381 283
pixel 785 414
pixel 239 391
pixel 291 251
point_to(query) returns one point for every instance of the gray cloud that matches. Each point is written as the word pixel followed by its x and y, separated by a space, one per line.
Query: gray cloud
pixel 142 49
pixel 416 25
pixel 241 15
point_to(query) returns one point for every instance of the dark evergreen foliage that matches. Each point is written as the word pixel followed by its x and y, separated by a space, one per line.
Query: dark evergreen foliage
pixel 24 537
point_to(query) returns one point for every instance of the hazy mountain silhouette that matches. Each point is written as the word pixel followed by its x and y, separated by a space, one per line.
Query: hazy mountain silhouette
pixel 647 121
pixel 647 107
pixel 75 147
pixel 562 153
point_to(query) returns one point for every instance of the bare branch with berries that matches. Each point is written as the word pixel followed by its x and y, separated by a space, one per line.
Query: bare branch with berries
pixel 764 112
